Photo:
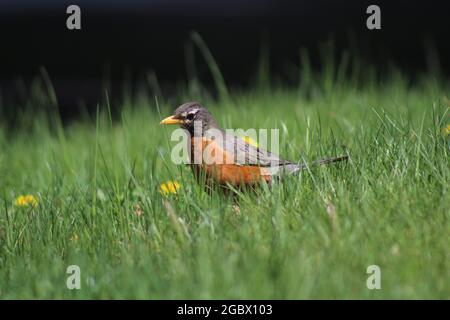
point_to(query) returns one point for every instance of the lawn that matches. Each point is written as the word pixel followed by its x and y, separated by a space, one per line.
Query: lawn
pixel 96 180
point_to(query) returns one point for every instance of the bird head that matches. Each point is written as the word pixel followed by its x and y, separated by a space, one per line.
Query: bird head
pixel 189 114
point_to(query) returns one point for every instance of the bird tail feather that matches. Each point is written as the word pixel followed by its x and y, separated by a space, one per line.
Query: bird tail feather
pixel 319 162
pixel 326 161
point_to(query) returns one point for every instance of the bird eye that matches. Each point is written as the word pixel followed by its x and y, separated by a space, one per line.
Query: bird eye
pixel 190 116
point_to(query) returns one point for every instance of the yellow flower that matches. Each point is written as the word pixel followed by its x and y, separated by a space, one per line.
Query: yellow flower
pixel 74 238
pixel 26 200
pixel 250 141
pixel 138 210
pixel 446 130
pixel 169 187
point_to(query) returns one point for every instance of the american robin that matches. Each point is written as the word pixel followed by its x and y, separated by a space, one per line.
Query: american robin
pixel 225 159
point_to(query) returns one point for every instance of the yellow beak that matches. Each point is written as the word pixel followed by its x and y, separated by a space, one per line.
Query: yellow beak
pixel 171 120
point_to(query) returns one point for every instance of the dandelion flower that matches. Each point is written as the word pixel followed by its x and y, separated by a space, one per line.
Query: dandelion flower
pixel 169 187
pixel 26 200
pixel 74 238
pixel 138 210
pixel 446 130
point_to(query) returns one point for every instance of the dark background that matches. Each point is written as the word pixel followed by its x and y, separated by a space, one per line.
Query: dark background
pixel 121 41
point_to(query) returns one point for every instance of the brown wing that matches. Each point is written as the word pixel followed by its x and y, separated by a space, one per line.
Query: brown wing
pixel 247 154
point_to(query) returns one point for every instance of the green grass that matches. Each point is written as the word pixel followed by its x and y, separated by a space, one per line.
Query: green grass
pixel 313 236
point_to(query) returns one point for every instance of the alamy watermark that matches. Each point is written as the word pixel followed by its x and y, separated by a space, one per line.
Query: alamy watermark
pixel 74 280
pixel 230 146
pixel 73 21
pixel 374 20
pixel 374 280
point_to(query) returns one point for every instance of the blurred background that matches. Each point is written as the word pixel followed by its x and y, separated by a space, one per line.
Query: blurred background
pixel 125 43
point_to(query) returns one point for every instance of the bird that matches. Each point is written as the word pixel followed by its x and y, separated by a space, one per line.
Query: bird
pixel 222 159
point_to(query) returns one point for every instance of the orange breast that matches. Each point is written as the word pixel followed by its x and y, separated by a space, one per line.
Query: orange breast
pixel 235 174
pixel 219 166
